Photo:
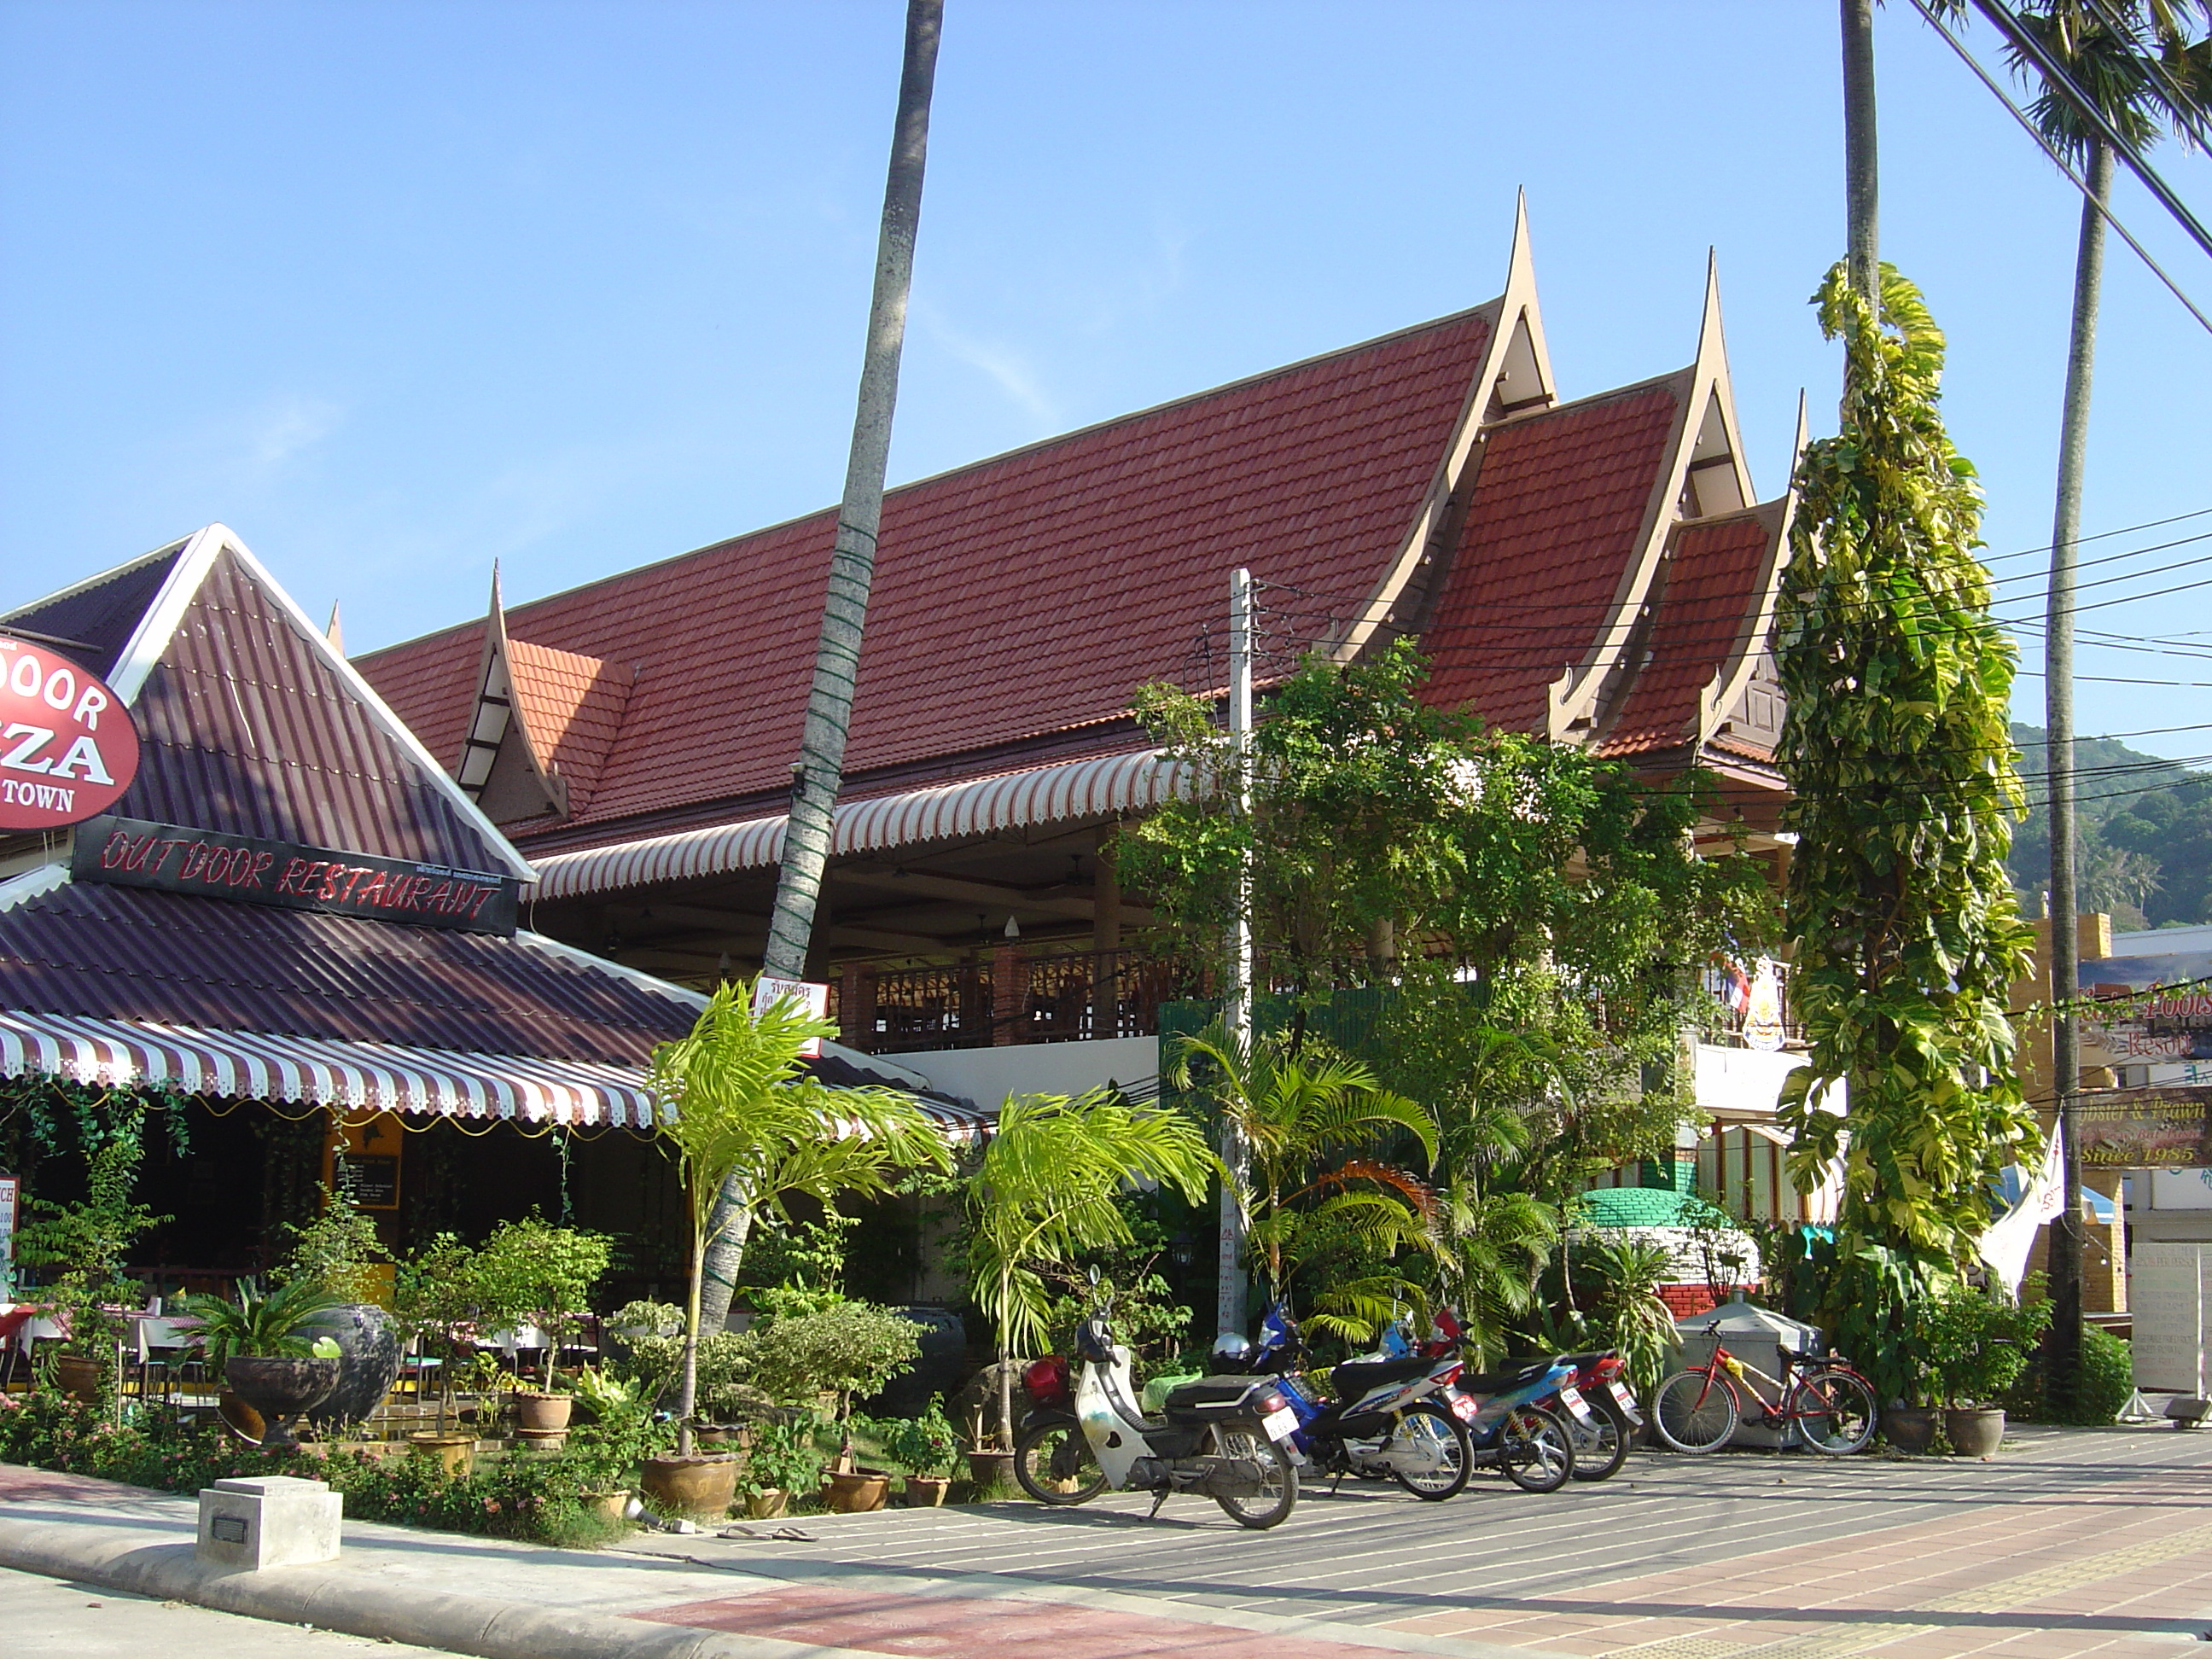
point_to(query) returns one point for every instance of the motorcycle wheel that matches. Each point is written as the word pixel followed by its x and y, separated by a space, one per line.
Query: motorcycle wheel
pixel 1426 1420
pixel 1601 1448
pixel 1054 1464
pixel 1534 1449
pixel 1278 1496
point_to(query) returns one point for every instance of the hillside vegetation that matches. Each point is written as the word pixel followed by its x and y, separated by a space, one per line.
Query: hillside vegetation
pixel 2146 834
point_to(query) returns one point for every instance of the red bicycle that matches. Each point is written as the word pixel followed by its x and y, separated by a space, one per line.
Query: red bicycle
pixel 1829 1408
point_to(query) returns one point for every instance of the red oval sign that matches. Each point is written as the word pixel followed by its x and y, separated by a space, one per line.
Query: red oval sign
pixel 68 749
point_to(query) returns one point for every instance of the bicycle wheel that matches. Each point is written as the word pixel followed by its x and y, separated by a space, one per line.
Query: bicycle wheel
pixel 1534 1449
pixel 1601 1447
pixel 1430 1431
pixel 1279 1480
pixel 1833 1412
pixel 1695 1411
pixel 1054 1465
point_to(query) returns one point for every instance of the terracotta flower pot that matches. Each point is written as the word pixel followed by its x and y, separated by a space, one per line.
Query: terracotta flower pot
pixel 458 1452
pixel 990 1470
pixel 927 1491
pixel 1910 1428
pixel 1974 1431
pixel 702 1485
pixel 78 1375
pixel 542 1412
pixel 612 1507
pixel 280 1390
pixel 863 1492
pixel 767 1503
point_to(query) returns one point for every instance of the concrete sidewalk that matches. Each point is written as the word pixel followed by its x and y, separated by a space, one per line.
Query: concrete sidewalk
pixel 504 1599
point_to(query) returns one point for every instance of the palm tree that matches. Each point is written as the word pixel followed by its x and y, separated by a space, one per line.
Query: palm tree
pixel 1048 1191
pixel 743 1116
pixel 1313 1197
pixel 1862 259
pixel 2135 61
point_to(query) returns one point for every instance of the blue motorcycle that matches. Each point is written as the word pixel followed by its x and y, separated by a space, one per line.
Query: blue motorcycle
pixel 1512 1426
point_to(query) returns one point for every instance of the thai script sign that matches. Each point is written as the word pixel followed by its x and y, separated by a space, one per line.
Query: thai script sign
pixel 2168 1288
pixel 812 998
pixel 11 1187
pixel 134 853
pixel 2163 1127
pixel 68 749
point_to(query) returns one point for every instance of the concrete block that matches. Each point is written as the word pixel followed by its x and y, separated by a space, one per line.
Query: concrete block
pixel 276 1521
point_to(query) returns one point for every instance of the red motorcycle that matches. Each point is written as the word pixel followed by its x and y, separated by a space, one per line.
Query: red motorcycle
pixel 1595 1403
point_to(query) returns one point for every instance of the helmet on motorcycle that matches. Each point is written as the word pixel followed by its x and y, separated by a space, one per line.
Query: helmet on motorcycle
pixel 1231 1353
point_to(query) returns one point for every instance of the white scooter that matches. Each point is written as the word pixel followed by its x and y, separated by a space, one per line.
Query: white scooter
pixel 1223 1437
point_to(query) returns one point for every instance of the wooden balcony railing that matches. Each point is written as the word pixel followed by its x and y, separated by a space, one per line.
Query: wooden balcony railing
pixel 1014 997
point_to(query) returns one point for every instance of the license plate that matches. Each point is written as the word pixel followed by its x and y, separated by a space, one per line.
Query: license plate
pixel 1572 1398
pixel 1280 1425
pixel 1626 1399
pixel 1464 1409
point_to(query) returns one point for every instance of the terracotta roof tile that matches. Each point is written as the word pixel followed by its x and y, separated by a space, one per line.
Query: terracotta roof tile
pixel 1712 579
pixel 572 706
pixel 1025 595
pixel 1558 502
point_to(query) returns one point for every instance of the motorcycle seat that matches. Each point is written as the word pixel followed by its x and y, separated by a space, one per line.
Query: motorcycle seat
pixel 1356 1376
pixel 1501 1382
pixel 1211 1394
pixel 1579 1360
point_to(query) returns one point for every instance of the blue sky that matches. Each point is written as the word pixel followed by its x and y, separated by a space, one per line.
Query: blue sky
pixel 395 289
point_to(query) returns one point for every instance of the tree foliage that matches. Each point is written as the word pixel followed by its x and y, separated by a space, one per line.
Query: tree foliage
pixel 1904 795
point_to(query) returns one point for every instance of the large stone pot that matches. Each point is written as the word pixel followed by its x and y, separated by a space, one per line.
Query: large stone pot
pixel 704 1484
pixel 280 1390
pixel 1910 1428
pixel 78 1375
pixel 1974 1431
pixel 369 1360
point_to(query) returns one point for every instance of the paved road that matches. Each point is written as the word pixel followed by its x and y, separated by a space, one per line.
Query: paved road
pixel 40 1617
pixel 2068 1542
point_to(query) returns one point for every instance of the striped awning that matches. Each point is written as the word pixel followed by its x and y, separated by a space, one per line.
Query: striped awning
pixel 321 1070
pixel 376 1076
pixel 1045 794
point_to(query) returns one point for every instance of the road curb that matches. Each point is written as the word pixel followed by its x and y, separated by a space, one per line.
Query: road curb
pixel 331 1598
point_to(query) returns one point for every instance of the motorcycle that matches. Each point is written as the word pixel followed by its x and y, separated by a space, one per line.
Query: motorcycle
pixel 1606 1427
pixel 1225 1437
pixel 1509 1425
pixel 1386 1422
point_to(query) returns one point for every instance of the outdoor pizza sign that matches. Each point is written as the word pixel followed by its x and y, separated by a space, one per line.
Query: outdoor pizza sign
pixel 207 864
pixel 68 749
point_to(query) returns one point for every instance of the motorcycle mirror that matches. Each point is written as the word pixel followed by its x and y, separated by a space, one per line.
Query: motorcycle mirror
pixel 1094 1272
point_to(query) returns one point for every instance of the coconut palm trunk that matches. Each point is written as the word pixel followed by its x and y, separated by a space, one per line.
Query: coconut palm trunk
pixel 2063 1352
pixel 818 773
pixel 1862 192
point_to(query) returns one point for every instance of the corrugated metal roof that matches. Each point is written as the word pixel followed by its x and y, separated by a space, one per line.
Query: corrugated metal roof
pixel 245 726
pixel 1044 794
pixel 102 612
pixel 123 953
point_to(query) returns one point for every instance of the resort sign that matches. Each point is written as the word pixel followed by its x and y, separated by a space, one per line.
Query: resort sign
pixel 68 749
pixel 207 864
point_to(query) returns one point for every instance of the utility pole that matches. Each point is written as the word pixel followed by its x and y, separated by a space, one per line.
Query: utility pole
pixel 1861 171
pixel 817 774
pixel 2063 1352
pixel 1237 1011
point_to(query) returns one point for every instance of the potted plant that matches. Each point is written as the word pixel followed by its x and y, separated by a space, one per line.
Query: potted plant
pixel 541 1276
pixel 783 1461
pixel 847 1351
pixel 1975 1346
pixel 340 1251
pixel 257 1345
pixel 930 1448
pixel 87 1240
pixel 750 1128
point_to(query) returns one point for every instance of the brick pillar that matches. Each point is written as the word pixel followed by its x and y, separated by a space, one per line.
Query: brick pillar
pixel 1009 995
pixel 856 1006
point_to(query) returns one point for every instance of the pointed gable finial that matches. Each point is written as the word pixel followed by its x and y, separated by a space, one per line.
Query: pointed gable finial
pixel 1804 433
pixel 1710 339
pixel 334 631
pixel 1520 261
pixel 498 606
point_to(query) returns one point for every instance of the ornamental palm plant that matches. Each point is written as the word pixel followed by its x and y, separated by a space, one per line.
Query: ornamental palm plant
pixel 745 1117
pixel 1047 1192
pixel 1316 1198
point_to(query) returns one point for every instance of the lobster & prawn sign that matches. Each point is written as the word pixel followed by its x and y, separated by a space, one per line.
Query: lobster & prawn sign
pixel 68 749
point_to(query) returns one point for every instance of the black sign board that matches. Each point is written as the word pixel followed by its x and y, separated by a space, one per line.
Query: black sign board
pixel 134 853
pixel 370 1180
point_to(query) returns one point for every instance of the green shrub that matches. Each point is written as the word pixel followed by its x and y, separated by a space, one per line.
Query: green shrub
pixel 928 1444
pixel 783 1458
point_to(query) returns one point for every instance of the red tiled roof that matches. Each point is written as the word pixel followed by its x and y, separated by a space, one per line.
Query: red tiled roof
pixel 1712 579
pixel 1020 597
pixel 1559 500
pixel 120 953
pixel 572 706
pixel 245 726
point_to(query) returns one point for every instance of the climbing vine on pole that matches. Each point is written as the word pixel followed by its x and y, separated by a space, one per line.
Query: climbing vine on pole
pixel 1902 769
